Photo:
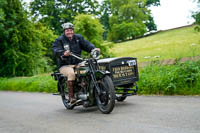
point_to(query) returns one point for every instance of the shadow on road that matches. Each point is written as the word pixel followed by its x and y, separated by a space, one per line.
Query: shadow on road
pixel 123 104
pixel 89 110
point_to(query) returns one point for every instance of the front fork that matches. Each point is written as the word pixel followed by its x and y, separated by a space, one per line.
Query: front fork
pixel 94 87
pixel 93 76
pixel 94 80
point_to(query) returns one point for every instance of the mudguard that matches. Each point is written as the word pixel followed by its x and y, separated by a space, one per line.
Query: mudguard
pixel 100 74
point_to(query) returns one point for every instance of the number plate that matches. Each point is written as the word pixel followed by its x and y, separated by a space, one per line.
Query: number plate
pixel 131 63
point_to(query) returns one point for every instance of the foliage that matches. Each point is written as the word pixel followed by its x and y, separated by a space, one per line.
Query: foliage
pixel 182 79
pixel 105 11
pixel 56 12
pixel 130 14
pixel 22 43
pixel 150 24
pixel 39 83
pixel 91 29
pixel 20 47
pixel 123 13
pixel 124 30
pixel 172 44
pixel 47 38
pixel 196 16
pixel 152 3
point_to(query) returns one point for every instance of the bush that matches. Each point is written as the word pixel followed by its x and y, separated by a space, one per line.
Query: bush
pixel 126 31
pixel 24 44
pixel 181 79
pixel 90 27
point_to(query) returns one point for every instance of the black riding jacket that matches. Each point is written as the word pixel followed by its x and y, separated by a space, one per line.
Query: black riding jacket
pixel 77 44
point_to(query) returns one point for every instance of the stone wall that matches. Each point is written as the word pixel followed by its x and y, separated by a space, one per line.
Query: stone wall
pixel 169 61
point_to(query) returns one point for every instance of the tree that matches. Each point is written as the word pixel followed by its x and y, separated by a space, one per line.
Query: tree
pixel 53 13
pixel 22 52
pixel 105 11
pixel 196 16
pixel 123 11
pixel 47 37
pixel 152 3
pixel 127 14
pixel 150 24
pixel 90 27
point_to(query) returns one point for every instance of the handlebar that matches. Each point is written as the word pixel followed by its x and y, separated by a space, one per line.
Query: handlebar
pixel 62 57
pixel 94 53
pixel 76 56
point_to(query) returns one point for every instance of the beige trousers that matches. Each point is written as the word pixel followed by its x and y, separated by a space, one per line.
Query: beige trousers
pixel 68 71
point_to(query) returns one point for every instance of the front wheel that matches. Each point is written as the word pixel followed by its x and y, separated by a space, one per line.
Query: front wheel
pixel 106 100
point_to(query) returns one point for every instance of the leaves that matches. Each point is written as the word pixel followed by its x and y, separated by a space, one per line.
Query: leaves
pixel 196 16
pixel 53 13
pixel 90 27
pixel 22 45
pixel 181 78
pixel 130 19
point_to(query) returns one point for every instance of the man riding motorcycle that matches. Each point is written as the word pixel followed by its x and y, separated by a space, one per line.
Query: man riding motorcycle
pixel 66 63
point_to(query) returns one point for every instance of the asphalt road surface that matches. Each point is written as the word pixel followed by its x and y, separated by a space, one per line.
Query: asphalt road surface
pixel 44 113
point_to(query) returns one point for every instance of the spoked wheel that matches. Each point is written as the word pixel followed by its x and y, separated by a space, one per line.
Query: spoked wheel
pixel 106 100
pixel 64 94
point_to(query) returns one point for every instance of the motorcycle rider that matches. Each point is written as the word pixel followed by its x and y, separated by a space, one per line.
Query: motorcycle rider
pixel 66 63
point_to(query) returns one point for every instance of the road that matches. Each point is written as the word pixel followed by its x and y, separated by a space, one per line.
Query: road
pixel 22 112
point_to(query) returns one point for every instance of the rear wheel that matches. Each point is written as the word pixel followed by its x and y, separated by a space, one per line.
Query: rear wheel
pixel 106 100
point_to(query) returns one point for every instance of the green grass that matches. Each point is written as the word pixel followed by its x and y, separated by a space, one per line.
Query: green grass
pixel 39 83
pixel 177 43
pixel 180 79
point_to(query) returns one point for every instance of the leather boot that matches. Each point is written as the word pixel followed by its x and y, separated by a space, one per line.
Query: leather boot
pixel 70 86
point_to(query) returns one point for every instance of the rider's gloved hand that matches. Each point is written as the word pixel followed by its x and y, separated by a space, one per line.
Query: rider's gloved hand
pixel 67 53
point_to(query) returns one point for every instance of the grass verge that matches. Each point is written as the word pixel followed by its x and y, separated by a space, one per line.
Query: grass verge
pixel 178 79
pixel 39 83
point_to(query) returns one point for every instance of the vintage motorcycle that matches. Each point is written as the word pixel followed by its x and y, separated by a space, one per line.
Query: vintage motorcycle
pixel 92 85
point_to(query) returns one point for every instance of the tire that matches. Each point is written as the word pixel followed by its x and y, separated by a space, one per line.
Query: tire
pixel 106 101
pixel 64 94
